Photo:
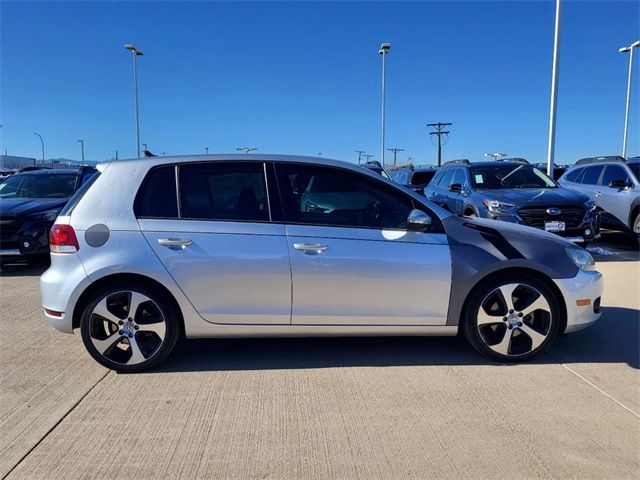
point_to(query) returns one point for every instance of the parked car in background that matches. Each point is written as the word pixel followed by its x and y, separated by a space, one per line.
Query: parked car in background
pixel 613 183
pixel 273 245
pixel 376 167
pixel 516 192
pixel 5 173
pixel 29 204
pixel 558 170
pixel 416 178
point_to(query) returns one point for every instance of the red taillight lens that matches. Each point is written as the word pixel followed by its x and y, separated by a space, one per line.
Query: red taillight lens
pixel 62 239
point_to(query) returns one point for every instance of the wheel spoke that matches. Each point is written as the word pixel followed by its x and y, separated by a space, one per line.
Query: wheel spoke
pixel 136 354
pixel 104 346
pixel 503 346
pixel 536 338
pixel 134 303
pixel 101 310
pixel 484 318
pixel 158 328
pixel 539 303
pixel 507 294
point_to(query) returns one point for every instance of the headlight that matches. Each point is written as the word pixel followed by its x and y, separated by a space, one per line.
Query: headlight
pixel 496 206
pixel 581 258
pixel 49 215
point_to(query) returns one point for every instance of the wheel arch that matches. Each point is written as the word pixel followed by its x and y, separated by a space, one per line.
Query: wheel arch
pixel 114 279
pixel 518 270
pixel 635 209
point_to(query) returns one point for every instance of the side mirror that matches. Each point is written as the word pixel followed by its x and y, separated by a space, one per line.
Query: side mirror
pixel 419 221
pixel 618 184
pixel 455 187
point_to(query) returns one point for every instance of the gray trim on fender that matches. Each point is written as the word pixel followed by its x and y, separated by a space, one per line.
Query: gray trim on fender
pixel 480 247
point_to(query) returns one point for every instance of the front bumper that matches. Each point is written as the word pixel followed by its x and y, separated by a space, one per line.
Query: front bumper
pixel 587 230
pixel 576 291
pixel 20 238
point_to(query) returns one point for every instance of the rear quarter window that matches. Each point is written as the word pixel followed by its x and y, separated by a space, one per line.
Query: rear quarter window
pixel 157 195
pixel 76 197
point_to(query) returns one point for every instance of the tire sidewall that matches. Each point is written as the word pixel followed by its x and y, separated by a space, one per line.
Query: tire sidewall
pixel 476 298
pixel 167 309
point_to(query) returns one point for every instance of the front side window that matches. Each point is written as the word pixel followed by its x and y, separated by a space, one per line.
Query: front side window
pixel 422 178
pixel 614 172
pixel 39 186
pixel 234 191
pixel 335 197
pixel 458 177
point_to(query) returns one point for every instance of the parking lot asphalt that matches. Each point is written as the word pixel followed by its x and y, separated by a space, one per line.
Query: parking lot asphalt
pixel 325 408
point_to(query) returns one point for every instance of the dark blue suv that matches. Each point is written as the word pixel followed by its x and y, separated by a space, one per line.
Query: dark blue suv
pixel 514 191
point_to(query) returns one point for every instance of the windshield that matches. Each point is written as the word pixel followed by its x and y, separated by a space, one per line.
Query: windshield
pixel 38 186
pixel 635 168
pixel 509 176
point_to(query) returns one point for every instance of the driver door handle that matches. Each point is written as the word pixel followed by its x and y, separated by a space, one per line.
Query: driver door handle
pixel 311 248
pixel 175 242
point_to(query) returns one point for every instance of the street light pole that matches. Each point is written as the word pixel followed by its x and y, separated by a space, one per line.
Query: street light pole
pixel 82 146
pixel 626 113
pixel 384 49
pixel 554 92
pixel 136 53
pixel 42 144
pixel 206 149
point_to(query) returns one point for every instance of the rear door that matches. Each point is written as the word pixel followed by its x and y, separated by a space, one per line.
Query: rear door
pixel 219 239
pixel 353 261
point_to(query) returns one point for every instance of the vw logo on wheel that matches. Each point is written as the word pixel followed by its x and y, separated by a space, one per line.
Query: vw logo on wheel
pixel 554 211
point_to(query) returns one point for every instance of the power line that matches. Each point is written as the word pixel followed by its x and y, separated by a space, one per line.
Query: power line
pixel 439 132
pixel 360 152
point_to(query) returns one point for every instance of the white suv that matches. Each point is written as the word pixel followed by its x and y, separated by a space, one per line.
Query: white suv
pixel 613 183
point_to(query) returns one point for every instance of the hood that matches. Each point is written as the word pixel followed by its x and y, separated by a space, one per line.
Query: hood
pixel 15 207
pixel 549 197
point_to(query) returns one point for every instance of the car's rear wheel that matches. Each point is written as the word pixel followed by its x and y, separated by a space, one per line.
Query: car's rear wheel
pixel 129 328
pixel 512 318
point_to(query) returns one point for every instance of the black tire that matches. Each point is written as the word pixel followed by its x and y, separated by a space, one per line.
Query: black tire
pixel 582 244
pixel 549 323
pixel 159 304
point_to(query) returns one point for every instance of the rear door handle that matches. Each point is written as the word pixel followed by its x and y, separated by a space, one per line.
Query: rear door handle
pixel 311 248
pixel 175 242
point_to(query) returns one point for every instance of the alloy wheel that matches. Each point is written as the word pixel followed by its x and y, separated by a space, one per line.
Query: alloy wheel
pixel 127 327
pixel 514 319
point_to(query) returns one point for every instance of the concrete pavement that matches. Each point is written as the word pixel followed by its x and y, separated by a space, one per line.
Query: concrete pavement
pixel 323 408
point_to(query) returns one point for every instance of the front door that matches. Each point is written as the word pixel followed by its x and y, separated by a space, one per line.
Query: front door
pixel 353 261
pixel 220 244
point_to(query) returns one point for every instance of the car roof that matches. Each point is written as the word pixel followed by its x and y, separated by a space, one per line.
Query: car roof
pixel 233 157
pixel 50 171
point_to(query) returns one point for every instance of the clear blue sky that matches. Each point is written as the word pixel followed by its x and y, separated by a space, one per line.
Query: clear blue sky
pixel 304 78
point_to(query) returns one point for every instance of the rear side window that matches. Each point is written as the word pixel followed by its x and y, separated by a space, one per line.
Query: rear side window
pixel 591 175
pixel 573 175
pixel 157 196
pixel 422 178
pixel 232 191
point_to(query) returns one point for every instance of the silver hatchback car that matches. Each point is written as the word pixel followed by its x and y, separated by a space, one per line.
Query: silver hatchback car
pixel 255 245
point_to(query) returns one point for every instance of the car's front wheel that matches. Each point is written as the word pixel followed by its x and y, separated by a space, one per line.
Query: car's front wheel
pixel 129 328
pixel 511 318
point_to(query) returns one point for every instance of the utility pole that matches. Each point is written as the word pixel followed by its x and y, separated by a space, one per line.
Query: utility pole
pixel 206 149
pixel 360 152
pixel 246 149
pixel 367 157
pixel 439 132
pixel 395 152
pixel 82 145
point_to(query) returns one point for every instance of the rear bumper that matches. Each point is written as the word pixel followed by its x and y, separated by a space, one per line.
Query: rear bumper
pixel 59 289
pixel 584 286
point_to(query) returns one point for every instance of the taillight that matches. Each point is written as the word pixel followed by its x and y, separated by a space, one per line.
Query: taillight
pixel 62 239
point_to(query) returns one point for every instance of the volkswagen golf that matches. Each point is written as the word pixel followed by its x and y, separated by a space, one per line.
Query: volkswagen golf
pixel 156 249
